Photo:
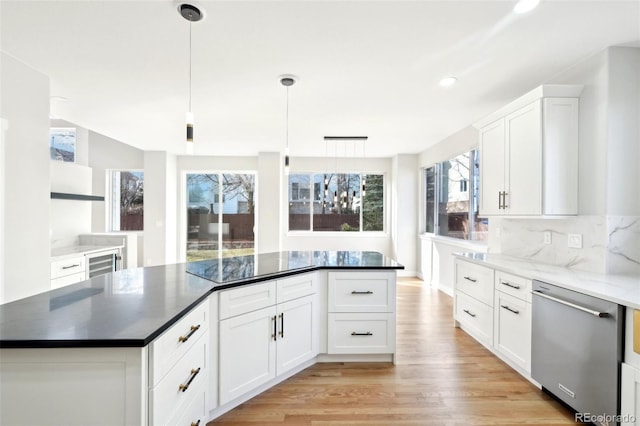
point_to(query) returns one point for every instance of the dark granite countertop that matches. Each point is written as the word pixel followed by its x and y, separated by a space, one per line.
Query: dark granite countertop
pixel 132 307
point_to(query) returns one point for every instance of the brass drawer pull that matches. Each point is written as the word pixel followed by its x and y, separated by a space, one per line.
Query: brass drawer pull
pixel 361 292
pixel 368 333
pixel 517 287
pixel 473 280
pixel 195 423
pixel 193 329
pixel 510 309
pixel 194 373
pixel 466 311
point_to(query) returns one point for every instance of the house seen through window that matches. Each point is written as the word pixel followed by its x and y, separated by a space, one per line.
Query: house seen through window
pixel 126 200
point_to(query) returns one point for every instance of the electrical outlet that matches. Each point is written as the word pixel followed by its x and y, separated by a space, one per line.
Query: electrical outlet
pixel 547 237
pixel 574 241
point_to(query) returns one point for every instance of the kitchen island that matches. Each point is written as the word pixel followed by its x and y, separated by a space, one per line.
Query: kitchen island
pixel 146 345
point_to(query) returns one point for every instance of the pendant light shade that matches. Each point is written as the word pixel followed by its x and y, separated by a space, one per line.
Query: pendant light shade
pixel 192 14
pixel 287 81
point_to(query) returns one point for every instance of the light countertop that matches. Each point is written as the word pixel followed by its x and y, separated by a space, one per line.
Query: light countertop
pixel 621 289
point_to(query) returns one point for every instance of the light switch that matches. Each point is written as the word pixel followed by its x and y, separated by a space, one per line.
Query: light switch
pixel 574 241
pixel 547 237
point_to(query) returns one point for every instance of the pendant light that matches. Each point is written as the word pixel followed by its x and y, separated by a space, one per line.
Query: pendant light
pixel 287 81
pixel 192 14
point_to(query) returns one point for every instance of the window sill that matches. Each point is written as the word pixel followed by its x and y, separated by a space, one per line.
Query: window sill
pixel 317 234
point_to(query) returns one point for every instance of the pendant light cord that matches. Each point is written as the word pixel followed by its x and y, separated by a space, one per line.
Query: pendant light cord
pixel 287 117
pixel 190 23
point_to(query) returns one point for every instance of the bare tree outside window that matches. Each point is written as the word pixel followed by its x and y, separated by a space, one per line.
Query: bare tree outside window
pixel 127 200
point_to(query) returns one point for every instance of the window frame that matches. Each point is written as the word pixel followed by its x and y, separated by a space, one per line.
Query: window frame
pixel 357 234
pixel 110 210
pixel 472 186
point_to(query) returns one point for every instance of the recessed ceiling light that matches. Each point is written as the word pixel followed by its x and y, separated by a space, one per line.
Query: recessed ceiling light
pixel 448 81
pixel 524 6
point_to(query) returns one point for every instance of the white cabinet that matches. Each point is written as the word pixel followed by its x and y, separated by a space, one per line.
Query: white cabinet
pixel 265 330
pixel 361 317
pixel 495 308
pixel 629 395
pixel 67 271
pixel 178 370
pixel 529 157
pixel 473 301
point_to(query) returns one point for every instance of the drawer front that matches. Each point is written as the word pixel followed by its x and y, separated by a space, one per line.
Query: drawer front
pixel 361 333
pixel 68 266
pixel 166 350
pixel 514 285
pixel 475 280
pixel 170 396
pixel 248 298
pixel 194 412
pixel 362 292
pixel 295 287
pixel 513 329
pixel 476 317
pixel 67 280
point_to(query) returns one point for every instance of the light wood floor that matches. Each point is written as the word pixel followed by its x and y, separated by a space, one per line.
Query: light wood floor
pixel 442 377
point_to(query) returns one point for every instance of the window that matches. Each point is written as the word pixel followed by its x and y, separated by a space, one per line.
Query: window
pixel 220 229
pixel 341 202
pixel 451 198
pixel 127 200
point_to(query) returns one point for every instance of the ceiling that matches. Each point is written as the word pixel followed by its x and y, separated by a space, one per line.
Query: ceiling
pixel 365 68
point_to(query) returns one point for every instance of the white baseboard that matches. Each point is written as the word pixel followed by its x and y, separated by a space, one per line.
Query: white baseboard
pixel 406 273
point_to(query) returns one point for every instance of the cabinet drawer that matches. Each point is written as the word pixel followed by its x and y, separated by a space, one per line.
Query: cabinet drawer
pixel 194 412
pixel 169 396
pixel 476 317
pixel 362 292
pixel 514 285
pixel 362 333
pixel 241 300
pixel 67 280
pixel 295 287
pixel 475 280
pixel 68 266
pixel 513 329
pixel 167 349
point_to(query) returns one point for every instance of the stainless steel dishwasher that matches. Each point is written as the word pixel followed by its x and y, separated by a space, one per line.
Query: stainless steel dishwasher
pixel 576 350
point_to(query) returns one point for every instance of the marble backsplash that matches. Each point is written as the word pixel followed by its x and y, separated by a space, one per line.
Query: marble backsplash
pixel 610 244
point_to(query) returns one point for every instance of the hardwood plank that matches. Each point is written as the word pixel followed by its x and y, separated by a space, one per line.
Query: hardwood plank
pixel 441 377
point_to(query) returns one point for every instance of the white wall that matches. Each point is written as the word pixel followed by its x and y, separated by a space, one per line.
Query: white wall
pixel 70 218
pixel 160 208
pixel 269 206
pixel 404 205
pixel 24 104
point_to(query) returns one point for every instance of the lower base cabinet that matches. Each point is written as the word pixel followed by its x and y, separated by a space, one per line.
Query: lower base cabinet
pixel 512 338
pixel 629 396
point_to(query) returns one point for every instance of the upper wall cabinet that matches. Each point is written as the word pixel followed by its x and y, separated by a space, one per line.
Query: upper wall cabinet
pixel 529 155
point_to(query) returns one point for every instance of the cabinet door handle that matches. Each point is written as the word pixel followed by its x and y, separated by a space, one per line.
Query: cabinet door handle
pixel 361 292
pixel 508 284
pixel 275 328
pixel 194 373
pixel 466 311
pixel 368 333
pixel 504 200
pixel 499 200
pixel 71 266
pixel 192 330
pixel 510 309
pixel 195 423
pixel 473 280
pixel 282 324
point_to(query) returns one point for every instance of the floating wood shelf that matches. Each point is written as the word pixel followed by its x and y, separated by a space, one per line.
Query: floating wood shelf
pixel 63 196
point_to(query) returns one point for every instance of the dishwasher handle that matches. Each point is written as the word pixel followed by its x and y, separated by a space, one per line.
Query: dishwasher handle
pixel 573 305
